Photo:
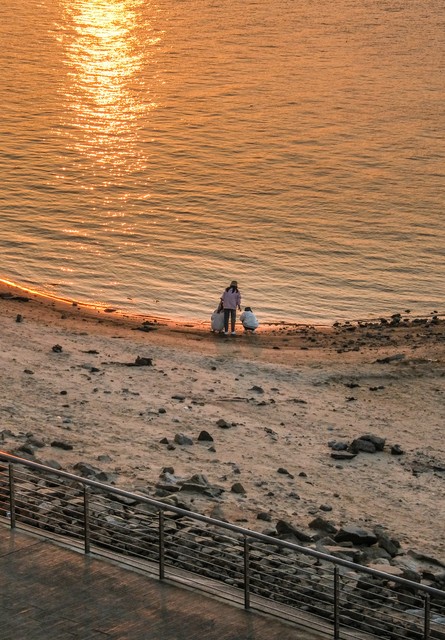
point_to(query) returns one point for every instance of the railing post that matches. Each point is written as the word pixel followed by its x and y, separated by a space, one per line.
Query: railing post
pixel 427 617
pixel 161 545
pixel 246 574
pixel 11 495
pixel 336 603
pixel 86 518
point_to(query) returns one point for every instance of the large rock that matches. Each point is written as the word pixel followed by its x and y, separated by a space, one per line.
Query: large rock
pixel 356 535
pixel 386 542
pixel 367 443
pixel 320 524
pixel 286 530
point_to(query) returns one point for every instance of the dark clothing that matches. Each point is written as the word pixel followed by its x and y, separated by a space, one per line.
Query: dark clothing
pixel 229 313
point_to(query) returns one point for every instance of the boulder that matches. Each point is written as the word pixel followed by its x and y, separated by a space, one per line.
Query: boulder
pixel 356 535
pixel 286 530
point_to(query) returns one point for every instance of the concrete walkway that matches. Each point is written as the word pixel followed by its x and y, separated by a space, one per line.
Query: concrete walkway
pixel 48 592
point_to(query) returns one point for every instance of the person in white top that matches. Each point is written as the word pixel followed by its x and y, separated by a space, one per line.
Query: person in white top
pixel 249 320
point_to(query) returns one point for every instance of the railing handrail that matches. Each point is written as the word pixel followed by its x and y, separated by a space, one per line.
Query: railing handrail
pixel 247 533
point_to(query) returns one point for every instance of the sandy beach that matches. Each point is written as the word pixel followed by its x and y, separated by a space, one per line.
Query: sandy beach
pixel 275 405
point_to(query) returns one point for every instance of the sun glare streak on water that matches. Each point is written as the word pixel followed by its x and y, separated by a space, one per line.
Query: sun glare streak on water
pixel 104 96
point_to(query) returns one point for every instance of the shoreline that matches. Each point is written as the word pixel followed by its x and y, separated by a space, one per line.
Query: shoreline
pixel 120 316
pixel 274 404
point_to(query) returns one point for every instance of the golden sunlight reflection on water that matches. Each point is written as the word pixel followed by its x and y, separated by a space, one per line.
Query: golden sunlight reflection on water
pixel 103 88
pixel 152 150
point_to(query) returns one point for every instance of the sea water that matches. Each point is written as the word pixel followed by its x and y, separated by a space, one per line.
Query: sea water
pixel 151 152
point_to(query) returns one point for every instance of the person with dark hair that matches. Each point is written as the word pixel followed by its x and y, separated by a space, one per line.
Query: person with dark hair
pixel 231 301
pixel 249 320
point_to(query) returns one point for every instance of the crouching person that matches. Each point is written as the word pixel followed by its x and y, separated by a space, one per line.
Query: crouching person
pixel 249 320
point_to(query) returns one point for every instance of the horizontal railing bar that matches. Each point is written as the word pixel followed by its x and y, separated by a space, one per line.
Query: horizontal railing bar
pixel 219 523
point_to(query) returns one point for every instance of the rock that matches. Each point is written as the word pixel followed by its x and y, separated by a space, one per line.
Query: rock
pixel 27 448
pixel 223 424
pixel 178 396
pixel 396 450
pixel 143 362
pixel 395 358
pixel 320 524
pixel 372 554
pixel 182 439
pixel 284 472
pixel 257 389
pixel 264 515
pixel 205 436
pixel 359 445
pixel 198 483
pixel 285 530
pixel 391 545
pixel 169 470
pixel 60 444
pixel 343 455
pixel 88 471
pixel 356 535
pixel 57 348
pixel 19 317
pixel 377 441
pixel 163 441
pixel 104 457
pixel 54 465
pixel 237 487
pixel 35 442
pixel 338 446
pixel 387 568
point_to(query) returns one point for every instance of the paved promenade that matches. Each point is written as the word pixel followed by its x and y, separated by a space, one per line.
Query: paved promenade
pixel 48 592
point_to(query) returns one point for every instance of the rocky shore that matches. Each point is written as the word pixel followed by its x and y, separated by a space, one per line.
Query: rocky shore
pixel 330 436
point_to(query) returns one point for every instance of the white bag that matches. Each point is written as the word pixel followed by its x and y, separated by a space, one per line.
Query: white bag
pixel 217 320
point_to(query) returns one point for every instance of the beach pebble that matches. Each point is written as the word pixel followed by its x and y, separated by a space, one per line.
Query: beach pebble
pixel 205 436
pixel 237 488
pixel 343 455
pixel 61 444
pixel 284 472
pixel 396 450
pixel 337 446
pixel 182 439
pixel 263 515
pixel 223 424
pixel 143 362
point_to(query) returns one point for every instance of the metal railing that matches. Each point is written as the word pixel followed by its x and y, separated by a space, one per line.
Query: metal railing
pixel 341 599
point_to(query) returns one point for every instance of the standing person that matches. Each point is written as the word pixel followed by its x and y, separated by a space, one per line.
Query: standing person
pixel 231 301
